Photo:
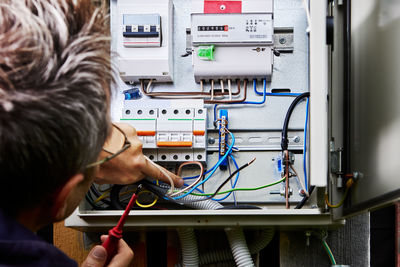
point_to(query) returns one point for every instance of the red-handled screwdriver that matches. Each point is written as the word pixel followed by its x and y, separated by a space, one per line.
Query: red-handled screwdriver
pixel 115 234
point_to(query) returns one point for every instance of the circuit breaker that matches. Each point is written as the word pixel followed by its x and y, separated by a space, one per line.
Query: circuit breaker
pixel 141 30
pixel 144 44
pixel 170 134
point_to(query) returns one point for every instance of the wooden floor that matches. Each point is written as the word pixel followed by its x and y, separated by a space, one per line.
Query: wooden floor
pixel 72 243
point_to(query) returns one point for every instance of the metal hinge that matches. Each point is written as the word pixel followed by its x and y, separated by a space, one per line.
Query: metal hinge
pixel 336 162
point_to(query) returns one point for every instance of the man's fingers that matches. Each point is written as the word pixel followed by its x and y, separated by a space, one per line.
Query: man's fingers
pixel 152 171
pixel 124 256
pixel 103 238
pixel 96 258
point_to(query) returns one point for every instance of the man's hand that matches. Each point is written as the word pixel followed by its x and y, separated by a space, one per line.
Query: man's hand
pixel 98 256
pixel 131 165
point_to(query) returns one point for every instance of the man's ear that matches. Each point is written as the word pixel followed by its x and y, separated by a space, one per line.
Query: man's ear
pixel 60 200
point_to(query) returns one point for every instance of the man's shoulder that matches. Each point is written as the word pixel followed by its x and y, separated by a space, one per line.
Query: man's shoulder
pixel 20 247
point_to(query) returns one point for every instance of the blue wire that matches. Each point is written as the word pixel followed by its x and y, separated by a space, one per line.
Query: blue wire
pixel 283 94
pixel 215 113
pixel 233 185
pixel 197 189
pixel 305 146
pixel 275 94
pixel 212 170
pixel 234 193
pixel 237 167
pixel 264 93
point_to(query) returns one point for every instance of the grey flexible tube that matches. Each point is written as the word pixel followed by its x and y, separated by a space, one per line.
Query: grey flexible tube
pixel 262 240
pixel 239 247
pixel 235 236
pixel 190 254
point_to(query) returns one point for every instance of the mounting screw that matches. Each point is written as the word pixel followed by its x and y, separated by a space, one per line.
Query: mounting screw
pixel 222 7
pixel 211 141
pixel 282 40
pixel 302 193
pixel 296 139
pixel 281 192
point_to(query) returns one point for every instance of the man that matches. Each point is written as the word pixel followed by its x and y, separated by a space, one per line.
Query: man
pixel 55 75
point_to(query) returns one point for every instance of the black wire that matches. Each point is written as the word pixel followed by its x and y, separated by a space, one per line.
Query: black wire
pixel 304 200
pixel 285 141
pixel 230 173
pixel 159 190
pixel 94 191
pixel 228 179
pixel 114 197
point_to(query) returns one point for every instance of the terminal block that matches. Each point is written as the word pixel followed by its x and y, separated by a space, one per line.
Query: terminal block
pixel 223 136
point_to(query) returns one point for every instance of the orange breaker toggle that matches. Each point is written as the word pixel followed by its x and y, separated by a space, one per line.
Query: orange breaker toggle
pixel 174 144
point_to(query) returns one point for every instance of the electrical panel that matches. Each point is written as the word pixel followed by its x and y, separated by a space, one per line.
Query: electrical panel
pixel 238 106
pixel 144 33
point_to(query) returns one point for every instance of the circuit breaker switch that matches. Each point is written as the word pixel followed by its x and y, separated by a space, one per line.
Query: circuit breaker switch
pixel 174 144
pixel 198 132
pixel 146 133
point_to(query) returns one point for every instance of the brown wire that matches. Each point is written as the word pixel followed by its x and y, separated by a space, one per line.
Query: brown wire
pixel 184 93
pixel 287 178
pixel 231 101
pixel 195 182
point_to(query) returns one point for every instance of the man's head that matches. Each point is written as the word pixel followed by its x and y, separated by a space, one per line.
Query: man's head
pixel 54 94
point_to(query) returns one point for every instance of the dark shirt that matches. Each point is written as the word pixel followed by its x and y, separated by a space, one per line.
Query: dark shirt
pixel 21 247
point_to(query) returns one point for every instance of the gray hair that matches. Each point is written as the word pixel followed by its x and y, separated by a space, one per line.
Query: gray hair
pixel 55 75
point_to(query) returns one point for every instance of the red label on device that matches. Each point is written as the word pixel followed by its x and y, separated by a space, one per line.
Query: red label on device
pixel 212 7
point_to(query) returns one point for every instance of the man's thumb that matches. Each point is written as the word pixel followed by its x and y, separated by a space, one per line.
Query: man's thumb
pixel 96 258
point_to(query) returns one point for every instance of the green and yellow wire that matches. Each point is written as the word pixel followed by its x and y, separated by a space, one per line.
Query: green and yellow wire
pixel 349 184
pixel 241 189
pixel 329 252
pixel 103 196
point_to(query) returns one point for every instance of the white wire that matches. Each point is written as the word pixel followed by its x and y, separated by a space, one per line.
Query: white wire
pixel 229 89
pixel 300 181
pixel 305 5
pixel 188 187
pixel 171 181
pixel 212 90
pixel 222 86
